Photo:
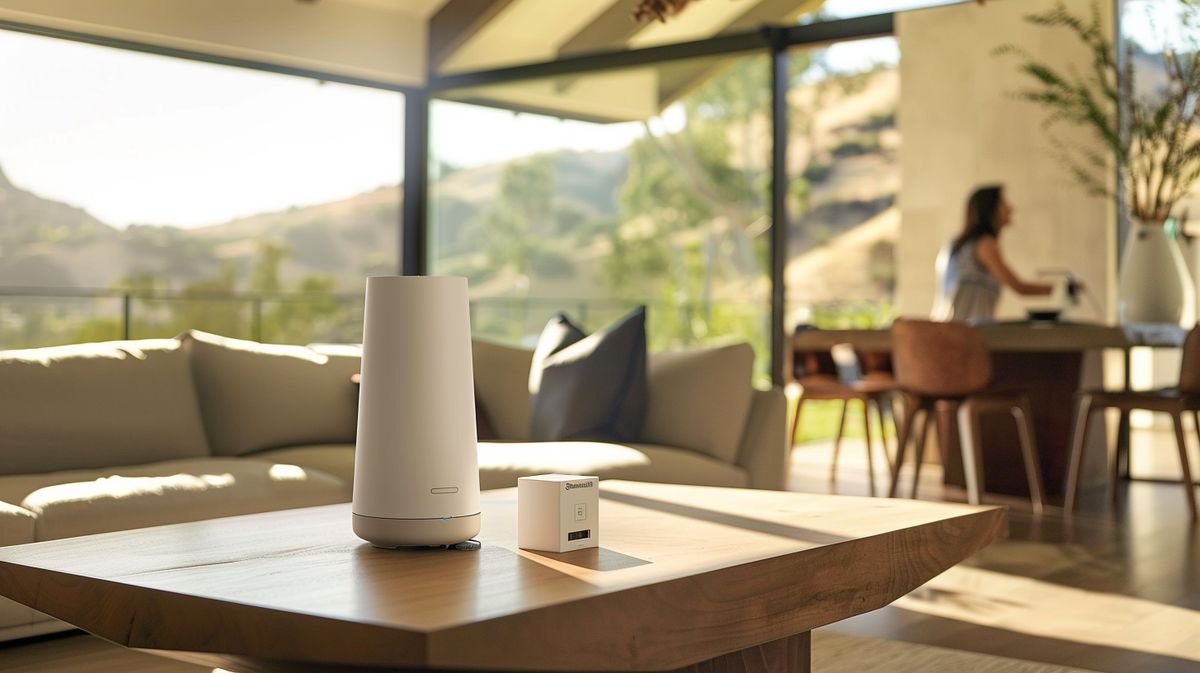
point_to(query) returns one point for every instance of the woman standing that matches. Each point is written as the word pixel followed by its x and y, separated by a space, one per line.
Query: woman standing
pixel 971 267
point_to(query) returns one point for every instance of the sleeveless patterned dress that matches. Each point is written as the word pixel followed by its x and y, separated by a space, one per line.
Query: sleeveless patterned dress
pixel 974 292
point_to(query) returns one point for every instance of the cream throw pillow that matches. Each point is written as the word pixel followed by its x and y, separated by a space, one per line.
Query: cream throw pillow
pixel 700 399
pixel 264 396
pixel 97 404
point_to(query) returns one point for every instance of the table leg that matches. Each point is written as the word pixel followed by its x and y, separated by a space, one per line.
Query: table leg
pixel 792 654
pixel 786 655
pixel 1122 443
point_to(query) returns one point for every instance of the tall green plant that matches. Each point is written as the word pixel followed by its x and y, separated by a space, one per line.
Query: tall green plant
pixel 1151 137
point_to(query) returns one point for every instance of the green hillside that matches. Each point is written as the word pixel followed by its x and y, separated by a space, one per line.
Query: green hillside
pixel 676 221
pixel 47 243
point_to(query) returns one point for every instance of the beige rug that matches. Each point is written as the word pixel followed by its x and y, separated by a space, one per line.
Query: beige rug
pixel 832 653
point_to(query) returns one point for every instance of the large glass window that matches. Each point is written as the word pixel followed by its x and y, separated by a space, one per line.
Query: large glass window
pixel 241 202
pixel 845 176
pixel 844 179
pixel 1150 28
pixel 848 9
pixel 664 203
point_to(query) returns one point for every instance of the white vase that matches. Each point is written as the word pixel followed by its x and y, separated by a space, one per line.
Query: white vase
pixel 1155 285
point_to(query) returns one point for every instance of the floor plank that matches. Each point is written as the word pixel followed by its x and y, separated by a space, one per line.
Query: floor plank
pixel 73 652
pixel 1137 563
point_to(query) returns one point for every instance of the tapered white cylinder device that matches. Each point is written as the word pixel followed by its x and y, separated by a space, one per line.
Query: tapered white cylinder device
pixel 416 475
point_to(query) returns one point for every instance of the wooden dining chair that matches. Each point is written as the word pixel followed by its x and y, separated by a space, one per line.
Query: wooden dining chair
pixel 1172 401
pixel 945 368
pixel 816 373
pixel 877 378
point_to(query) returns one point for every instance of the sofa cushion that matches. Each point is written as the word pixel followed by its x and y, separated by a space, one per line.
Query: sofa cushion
pixel 16 527
pixel 501 463
pixel 332 459
pixel 502 385
pixel 261 396
pixel 81 502
pixel 96 404
pixel 700 399
pixel 590 387
pixel 16 524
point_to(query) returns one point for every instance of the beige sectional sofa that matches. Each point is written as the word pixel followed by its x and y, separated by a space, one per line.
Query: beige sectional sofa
pixel 109 436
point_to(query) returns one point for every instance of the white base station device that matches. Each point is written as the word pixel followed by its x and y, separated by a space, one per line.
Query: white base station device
pixel 416 477
pixel 558 512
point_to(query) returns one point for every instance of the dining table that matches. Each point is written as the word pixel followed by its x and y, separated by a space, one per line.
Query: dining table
pixel 1050 361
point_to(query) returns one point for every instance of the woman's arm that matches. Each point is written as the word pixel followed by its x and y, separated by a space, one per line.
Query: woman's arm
pixel 987 253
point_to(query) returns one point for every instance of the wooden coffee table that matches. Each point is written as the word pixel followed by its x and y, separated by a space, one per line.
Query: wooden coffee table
pixel 695 578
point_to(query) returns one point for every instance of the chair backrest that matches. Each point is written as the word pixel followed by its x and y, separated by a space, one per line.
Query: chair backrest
pixel 1189 369
pixel 875 365
pixel 939 359
pixel 813 365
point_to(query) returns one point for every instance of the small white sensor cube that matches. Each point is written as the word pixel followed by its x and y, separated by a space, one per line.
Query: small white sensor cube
pixel 558 512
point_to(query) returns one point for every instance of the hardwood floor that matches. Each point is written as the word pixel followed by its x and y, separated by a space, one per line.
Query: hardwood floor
pixel 1110 589
pixel 73 652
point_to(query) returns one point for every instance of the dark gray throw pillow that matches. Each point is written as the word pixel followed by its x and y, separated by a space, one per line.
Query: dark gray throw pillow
pixel 589 387
pixel 559 333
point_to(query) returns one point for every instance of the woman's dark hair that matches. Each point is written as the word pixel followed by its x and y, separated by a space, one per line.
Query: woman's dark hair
pixel 981 215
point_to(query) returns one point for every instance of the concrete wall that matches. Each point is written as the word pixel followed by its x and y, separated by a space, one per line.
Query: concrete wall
pixel 364 40
pixel 961 128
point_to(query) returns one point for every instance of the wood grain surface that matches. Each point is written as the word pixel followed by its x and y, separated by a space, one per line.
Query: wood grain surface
pixel 1026 337
pixel 683 575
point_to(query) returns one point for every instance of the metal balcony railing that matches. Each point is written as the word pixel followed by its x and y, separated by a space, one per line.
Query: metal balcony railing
pixel 39 316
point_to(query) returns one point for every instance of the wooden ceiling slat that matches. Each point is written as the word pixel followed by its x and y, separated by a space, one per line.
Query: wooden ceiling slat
pixel 455 23
pixel 611 29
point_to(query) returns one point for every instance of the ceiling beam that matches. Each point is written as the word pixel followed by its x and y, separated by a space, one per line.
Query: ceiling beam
pixel 774 12
pixel 616 26
pixel 611 29
pixel 597 62
pixel 455 23
pixel 808 36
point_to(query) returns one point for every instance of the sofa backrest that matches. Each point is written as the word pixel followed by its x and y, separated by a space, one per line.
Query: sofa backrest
pixel 129 402
pixel 698 399
pixel 99 404
pixel 262 396
pixel 502 387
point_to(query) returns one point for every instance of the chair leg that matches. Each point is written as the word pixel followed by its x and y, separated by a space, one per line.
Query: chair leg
pixel 1083 418
pixel 919 453
pixel 1196 423
pixel 1177 417
pixel 972 455
pixel 883 443
pixel 889 399
pixel 1196 418
pixel 1023 415
pixel 796 420
pixel 837 441
pixel 867 437
pixel 902 435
